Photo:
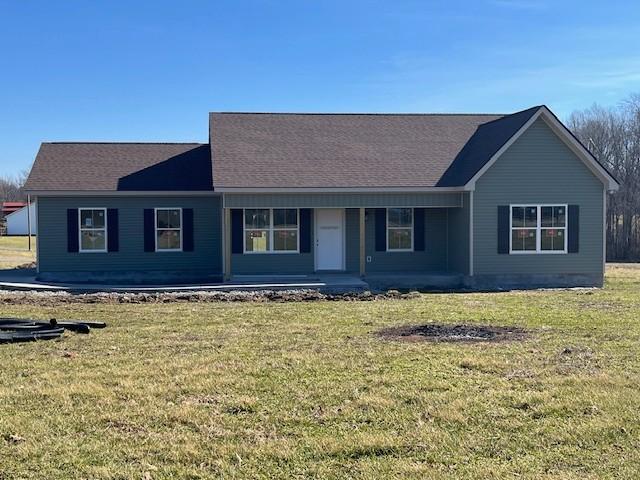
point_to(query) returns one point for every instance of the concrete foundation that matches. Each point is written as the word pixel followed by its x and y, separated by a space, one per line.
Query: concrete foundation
pixel 330 283
pixel 526 282
pixel 403 281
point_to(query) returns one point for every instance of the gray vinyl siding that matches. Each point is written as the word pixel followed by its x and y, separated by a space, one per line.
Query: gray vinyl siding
pixel 538 168
pixel 272 264
pixel 433 259
pixel 458 237
pixel 352 236
pixel 342 200
pixel 131 257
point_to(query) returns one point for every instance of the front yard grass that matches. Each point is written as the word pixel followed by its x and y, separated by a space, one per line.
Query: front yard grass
pixel 308 390
pixel 14 251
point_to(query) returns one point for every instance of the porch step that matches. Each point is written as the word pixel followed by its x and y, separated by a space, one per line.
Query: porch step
pixel 326 283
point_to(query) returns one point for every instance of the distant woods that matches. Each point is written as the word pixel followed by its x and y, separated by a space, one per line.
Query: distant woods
pixel 11 188
pixel 613 136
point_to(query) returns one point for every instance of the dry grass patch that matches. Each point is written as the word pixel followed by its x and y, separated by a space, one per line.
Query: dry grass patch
pixel 14 252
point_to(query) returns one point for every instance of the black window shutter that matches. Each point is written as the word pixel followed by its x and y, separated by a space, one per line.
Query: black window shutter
pixel 503 229
pixel 305 230
pixel 187 229
pixel 418 229
pixel 72 230
pixel 236 230
pixel 113 242
pixel 149 231
pixel 381 229
pixel 573 227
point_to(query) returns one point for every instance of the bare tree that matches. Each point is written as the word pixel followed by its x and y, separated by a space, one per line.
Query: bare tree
pixel 11 187
pixel 613 135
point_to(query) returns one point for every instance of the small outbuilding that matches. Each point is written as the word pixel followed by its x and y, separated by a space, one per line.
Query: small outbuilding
pixel 18 221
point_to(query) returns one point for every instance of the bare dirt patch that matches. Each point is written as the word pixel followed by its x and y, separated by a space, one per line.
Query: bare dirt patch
pixel 438 332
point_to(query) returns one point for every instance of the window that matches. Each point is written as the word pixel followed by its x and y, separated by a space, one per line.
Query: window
pixel 93 229
pixel 400 229
pixel 168 229
pixel 538 229
pixel 271 230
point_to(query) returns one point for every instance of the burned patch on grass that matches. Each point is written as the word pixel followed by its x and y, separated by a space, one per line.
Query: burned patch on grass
pixel 438 332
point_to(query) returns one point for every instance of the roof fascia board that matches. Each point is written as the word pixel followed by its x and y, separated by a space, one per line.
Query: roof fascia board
pixel 562 132
pixel 585 155
pixel 103 193
pixel 471 184
pixel 303 190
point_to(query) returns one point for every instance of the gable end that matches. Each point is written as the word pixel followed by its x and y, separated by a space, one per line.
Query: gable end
pixel 565 135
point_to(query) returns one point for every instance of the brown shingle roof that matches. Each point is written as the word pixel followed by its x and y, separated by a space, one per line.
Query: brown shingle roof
pixel 257 150
pixel 121 167
pixel 289 150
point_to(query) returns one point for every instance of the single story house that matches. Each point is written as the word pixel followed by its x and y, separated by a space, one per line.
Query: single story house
pixel 22 221
pixel 479 200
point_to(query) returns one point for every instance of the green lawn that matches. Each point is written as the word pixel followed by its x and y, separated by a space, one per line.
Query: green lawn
pixel 14 251
pixel 307 390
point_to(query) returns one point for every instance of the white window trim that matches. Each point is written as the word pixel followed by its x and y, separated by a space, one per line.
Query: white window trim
pixel 80 230
pixel 270 229
pixel 538 229
pixel 155 230
pixel 400 228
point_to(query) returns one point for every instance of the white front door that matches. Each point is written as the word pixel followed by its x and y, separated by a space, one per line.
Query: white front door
pixel 329 238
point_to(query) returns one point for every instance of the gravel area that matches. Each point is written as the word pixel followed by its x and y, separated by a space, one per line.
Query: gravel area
pixel 8 297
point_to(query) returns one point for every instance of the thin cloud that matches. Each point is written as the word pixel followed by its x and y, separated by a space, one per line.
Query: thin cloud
pixel 610 79
pixel 423 83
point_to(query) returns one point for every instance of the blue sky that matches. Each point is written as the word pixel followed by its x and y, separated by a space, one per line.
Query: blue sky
pixel 150 71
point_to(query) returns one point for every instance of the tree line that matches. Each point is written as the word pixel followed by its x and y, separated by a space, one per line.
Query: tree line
pixel 613 136
pixel 11 188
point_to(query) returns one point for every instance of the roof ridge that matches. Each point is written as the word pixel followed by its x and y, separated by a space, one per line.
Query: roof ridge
pixel 368 114
pixel 122 143
pixel 536 108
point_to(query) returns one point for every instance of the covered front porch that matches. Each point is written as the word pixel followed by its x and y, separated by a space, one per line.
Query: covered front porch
pixel 414 239
pixel 332 283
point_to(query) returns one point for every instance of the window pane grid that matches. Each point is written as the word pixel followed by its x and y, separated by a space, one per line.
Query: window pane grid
pixel 538 228
pixel 93 229
pixel 399 229
pixel 271 230
pixel 168 229
pixel 257 240
pixel 552 239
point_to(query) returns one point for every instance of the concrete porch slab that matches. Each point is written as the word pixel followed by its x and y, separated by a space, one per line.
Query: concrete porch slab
pixel 330 283
pixel 25 280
